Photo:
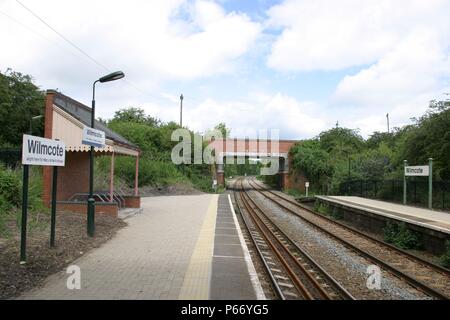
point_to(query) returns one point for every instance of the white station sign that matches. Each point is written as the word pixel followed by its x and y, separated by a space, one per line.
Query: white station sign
pixel 93 137
pixel 421 171
pixel 37 151
pixel 307 184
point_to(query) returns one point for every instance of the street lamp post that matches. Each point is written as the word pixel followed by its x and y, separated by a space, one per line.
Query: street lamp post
pixel 91 201
pixel 31 122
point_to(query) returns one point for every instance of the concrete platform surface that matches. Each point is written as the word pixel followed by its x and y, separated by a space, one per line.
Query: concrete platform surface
pixel 436 220
pixel 169 251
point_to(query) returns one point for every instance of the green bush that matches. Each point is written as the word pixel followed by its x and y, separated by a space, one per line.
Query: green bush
pixel 445 258
pixel 5 209
pixel 11 198
pixel 322 208
pixel 399 235
pixel 9 186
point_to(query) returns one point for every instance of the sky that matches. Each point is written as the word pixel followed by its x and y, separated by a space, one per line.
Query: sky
pixel 299 66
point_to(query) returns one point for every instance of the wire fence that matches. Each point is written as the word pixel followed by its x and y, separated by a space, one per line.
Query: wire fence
pixel 392 190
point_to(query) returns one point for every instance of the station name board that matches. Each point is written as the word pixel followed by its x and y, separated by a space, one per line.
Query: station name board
pixel 37 151
pixel 421 171
pixel 93 137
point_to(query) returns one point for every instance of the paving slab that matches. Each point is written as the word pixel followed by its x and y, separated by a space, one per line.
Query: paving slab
pixel 179 247
pixel 148 259
pixel 233 274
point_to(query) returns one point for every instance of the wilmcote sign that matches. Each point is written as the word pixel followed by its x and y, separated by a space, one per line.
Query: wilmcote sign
pixel 37 151
pixel 93 137
pixel 421 171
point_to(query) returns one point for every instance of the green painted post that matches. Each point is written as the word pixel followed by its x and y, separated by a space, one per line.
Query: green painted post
pixel 430 185
pixel 23 234
pixel 53 216
pixel 405 164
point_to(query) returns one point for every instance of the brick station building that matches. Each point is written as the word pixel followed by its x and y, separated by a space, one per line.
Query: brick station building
pixel 65 119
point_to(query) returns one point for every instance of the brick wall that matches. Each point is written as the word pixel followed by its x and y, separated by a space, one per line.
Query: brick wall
pixel 74 177
pixel 285 180
pixel 110 209
pixel 132 201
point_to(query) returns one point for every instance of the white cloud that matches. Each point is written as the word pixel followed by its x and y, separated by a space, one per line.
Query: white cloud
pixel 332 35
pixel 150 39
pixel 402 82
pixel 256 112
pixel 401 48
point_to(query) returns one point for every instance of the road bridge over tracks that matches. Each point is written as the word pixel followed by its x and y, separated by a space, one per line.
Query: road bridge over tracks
pixel 234 150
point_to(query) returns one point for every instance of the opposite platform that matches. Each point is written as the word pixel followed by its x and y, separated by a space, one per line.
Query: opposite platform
pixel 431 219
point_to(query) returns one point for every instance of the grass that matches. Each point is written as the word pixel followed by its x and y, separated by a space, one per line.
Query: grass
pixel 294 192
pixel 11 201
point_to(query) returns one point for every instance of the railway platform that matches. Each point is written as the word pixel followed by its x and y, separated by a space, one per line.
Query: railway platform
pixel 432 219
pixel 373 215
pixel 179 247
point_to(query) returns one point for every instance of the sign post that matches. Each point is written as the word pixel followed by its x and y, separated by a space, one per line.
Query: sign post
pixel 53 218
pixel 430 184
pixel 405 164
pixel 307 187
pixel 23 229
pixel 93 138
pixel 39 151
pixel 420 171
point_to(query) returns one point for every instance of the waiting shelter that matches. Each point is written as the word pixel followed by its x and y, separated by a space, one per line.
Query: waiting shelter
pixel 65 119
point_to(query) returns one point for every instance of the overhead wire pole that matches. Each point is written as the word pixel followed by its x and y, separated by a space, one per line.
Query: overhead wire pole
pixel 387 117
pixel 181 110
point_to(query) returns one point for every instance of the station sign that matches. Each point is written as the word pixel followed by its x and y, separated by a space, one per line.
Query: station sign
pixel 37 151
pixel 307 184
pixel 417 171
pixel 93 137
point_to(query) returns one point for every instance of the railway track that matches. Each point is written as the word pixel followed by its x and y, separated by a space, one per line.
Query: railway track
pixel 419 273
pixel 293 273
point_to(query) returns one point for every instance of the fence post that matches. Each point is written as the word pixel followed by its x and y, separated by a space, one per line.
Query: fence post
pixel 430 185
pixel 376 190
pixel 443 197
pixel 405 164
pixel 415 190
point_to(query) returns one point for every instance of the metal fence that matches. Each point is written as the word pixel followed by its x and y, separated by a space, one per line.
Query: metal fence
pixel 10 157
pixel 392 190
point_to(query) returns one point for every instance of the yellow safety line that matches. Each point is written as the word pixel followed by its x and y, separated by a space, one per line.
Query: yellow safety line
pixel 198 275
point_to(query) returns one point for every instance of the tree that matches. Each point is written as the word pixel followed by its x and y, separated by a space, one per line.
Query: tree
pixel 339 141
pixel 429 137
pixel 222 127
pixel 20 100
pixel 135 115
pixel 309 158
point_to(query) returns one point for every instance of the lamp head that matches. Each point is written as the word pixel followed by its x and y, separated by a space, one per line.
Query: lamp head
pixel 112 76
